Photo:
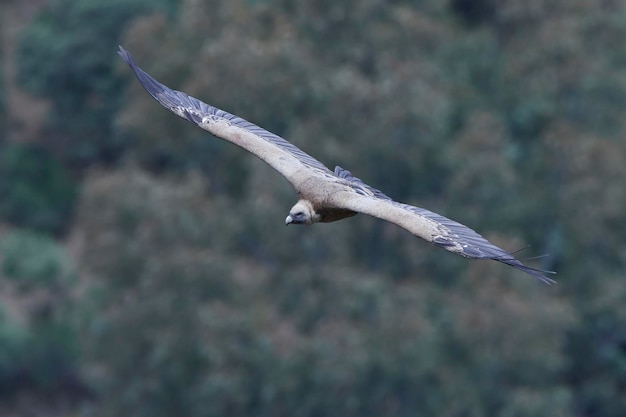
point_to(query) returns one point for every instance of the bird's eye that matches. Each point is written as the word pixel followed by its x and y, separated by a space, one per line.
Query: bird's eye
pixel 299 217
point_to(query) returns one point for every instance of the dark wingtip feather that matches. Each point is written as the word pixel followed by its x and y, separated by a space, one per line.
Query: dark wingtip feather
pixel 151 85
pixel 127 57
pixel 540 274
pixel 123 53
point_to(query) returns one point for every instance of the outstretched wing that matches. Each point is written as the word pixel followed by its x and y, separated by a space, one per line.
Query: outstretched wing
pixel 282 155
pixel 430 226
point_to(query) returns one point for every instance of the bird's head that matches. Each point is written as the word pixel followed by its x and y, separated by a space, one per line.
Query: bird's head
pixel 302 213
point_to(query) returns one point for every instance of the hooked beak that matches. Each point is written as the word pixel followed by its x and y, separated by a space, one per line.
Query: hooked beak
pixel 288 220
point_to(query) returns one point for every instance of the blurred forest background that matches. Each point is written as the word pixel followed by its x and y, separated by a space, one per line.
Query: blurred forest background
pixel 144 266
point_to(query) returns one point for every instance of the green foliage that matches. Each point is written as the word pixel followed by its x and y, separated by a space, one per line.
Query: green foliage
pixel 68 56
pixel 34 260
pixel 176 303
pixel 13 340
pixel 491 121
pixel 601 341
pixel 2 104
pixel 35 189
pixel 38 345
pixel 196 301
pixel 39 359
pixel 473 13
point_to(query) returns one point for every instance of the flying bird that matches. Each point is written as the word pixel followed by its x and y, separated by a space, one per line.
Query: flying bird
pixel 325 195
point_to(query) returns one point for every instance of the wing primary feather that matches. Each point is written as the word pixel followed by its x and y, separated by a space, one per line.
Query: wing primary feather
pixel 540 274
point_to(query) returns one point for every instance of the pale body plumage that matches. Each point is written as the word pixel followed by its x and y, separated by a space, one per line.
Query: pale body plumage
pixel 324 195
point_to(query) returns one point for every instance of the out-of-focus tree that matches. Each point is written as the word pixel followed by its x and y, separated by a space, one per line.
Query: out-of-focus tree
pixel 506 342
pixel 36 191
pixel 2 98
pixel 483 188
pixel 591 200
pixel 38 342
pixel 507 116
pixel 176 302
pixel 595 349
pixel 65 56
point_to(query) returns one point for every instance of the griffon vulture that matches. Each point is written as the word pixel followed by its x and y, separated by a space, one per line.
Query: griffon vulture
pixel 324 195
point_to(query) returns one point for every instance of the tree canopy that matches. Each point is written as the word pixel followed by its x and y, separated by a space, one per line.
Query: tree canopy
pixel 144 266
